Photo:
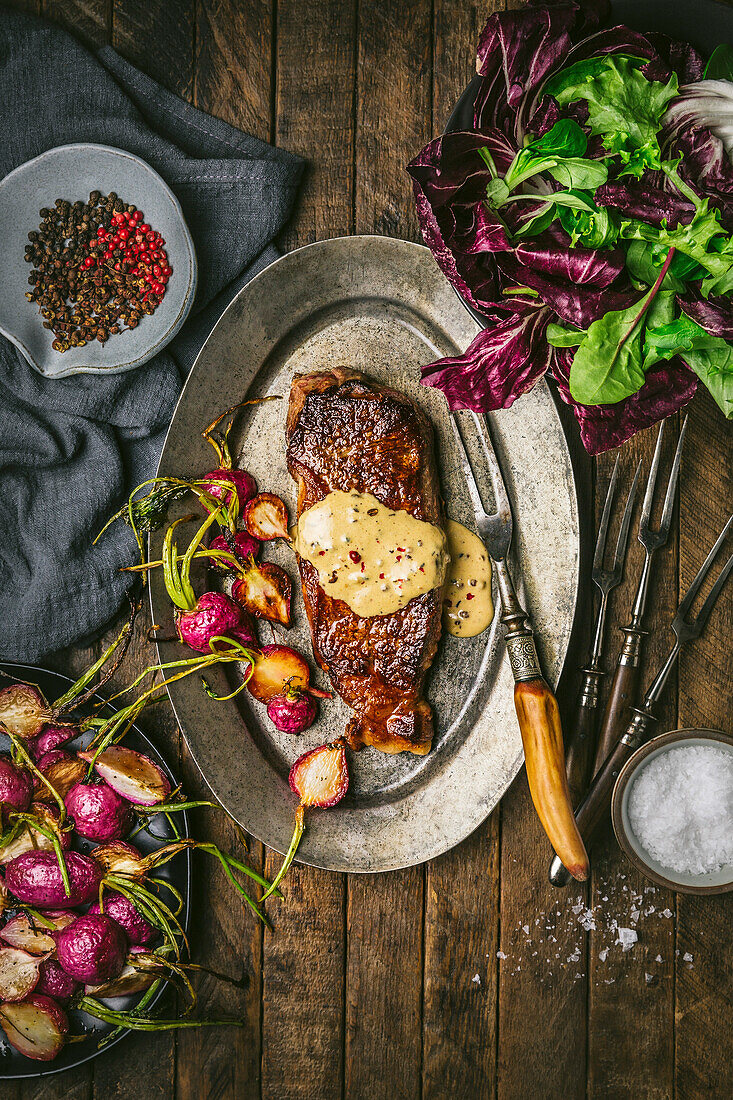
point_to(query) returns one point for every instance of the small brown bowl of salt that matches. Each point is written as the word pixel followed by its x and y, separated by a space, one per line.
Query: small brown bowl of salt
pixel 672 811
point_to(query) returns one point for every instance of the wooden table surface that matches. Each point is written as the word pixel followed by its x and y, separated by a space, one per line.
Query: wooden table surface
pixel 469 977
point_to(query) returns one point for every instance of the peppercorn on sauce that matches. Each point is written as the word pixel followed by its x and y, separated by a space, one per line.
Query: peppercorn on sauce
pixel 376 559
pixel 468 607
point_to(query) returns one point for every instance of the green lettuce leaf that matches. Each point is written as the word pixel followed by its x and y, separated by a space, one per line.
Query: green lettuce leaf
pixel 710 357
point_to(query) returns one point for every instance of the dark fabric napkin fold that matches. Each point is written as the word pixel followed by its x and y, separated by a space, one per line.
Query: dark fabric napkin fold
pixel 72 449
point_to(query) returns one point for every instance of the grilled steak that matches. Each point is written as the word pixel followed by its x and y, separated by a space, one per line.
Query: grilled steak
pixel 347 433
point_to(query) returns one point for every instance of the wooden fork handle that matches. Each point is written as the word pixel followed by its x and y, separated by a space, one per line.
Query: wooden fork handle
pixel 581 747
pixel 621 697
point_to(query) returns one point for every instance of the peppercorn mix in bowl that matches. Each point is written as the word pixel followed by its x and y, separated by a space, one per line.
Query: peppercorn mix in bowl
pixel 99 267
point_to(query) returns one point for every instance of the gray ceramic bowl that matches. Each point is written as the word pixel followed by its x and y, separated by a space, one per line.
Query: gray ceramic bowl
pixel 718 882
pixel 71 172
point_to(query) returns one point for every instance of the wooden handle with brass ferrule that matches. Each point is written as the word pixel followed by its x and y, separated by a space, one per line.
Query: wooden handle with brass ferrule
pixel 581 749
pixel 541 730
pixel 621 697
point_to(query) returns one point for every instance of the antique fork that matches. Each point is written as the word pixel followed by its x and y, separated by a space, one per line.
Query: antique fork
pixel 535 704
pixel 623 685
pixel 581 748
pixel 596 802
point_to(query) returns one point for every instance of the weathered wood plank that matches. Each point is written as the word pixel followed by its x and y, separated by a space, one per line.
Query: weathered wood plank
pixel 621 1055
pixel 158 40
pixel 303 962
pixel 704 1009
pixel 460 970
pixel 234 63
pixel 393 112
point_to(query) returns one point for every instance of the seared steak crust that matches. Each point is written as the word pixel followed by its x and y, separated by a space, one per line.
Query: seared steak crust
pixel 347 433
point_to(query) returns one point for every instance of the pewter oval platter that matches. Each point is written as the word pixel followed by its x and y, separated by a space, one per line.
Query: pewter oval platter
pixel 383 307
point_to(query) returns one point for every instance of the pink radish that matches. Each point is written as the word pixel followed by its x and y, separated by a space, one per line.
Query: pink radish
pixel 266 517
pixel 244 545
pixel 278 667
pixel 135 977
pixel 53 756
pixel 92 949
pixel 35 1027
pixel 292 712
pixel 214 615
pixel 53 981
pixel 23 711
pixel 242 482
pixel 35 879
pixel 18 973
pixel 265 590
pixel 131 775
pixel 16 787
pixel 51 737
pixel 321 777
pixel 139 931
pixel 99 813
pixel 22 932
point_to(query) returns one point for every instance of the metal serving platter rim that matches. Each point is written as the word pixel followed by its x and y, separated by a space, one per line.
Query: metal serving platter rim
pixel 412 820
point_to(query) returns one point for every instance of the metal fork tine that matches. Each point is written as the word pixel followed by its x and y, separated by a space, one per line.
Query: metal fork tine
pixel 623 535
pixel 471 484
pixel 704 612
pixel 603 527
pixel 694 588
pixel 646 510
pixel 672 484
pixel 497 481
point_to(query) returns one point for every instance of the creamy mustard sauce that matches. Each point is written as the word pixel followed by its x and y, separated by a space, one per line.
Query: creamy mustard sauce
pixel 375 559
pixel 467 608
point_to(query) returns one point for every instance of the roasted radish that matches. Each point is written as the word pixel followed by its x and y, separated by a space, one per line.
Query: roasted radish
pixel 92 949
pixel 266 517
pixel 23 711
pixel 39 831
pixel 53 981
pixel 16 787
pixel 212 616
pixel 319 778
pixel 35 1027
pixel 293 711
pixel 130 775
pixel 51 737
pixel 98 812
pixel 139 931
pixel 119 858
pixel 18 973
pixel 238 481
pixel 24 932
pixel 278 667
pixel 135 977
pixel 62 772
pixel 265 591
pixel 240 545
pixel 36 879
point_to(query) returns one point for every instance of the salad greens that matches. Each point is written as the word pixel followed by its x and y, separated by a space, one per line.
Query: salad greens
pixel 589 181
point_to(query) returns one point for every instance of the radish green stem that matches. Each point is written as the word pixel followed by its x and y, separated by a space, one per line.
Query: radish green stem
pixel 145 1023
pixel 297 834
pixel 124 636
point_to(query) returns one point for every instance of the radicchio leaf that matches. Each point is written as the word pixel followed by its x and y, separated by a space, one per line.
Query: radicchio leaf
pixel 577 304
pixel 517 51
pixel 715 315
pixel 648 204
pixel 503 362
pixel 668 386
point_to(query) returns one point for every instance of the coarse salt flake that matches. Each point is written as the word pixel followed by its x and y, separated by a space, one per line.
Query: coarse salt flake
pixel 681 809
pixel 627 937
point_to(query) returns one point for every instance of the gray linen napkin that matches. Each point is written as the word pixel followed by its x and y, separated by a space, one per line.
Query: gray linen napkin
pixel 72 449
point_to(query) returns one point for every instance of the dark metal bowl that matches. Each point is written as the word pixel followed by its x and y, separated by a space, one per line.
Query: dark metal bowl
pixel 177 872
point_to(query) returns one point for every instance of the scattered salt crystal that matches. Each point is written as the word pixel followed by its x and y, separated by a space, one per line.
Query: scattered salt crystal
pixel 649 978
pixel 659 959
pixel 666 913
pixel 603 955
pixel 687 957
pixel 681 808
pixel 476 979
pixel 608 981
pixel 525 929
pixel 627 937
pixel 500 955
